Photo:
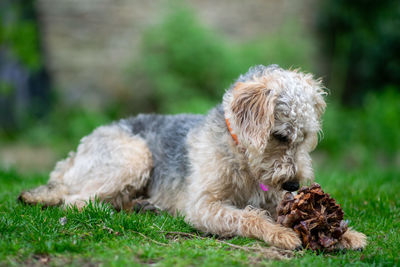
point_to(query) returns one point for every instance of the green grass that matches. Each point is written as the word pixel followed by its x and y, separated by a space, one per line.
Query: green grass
pixel 32 235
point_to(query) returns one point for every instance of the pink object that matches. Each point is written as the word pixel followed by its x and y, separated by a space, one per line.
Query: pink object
pixel 264 187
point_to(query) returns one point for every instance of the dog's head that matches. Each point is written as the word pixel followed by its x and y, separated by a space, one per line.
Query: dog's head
pixel 275 114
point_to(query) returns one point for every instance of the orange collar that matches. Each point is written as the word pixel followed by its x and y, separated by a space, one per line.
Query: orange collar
pixel 234 136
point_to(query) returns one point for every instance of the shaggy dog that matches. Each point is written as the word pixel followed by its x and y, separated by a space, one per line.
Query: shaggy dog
pixel 225 172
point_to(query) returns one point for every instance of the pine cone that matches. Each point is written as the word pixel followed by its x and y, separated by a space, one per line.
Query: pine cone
pixel 313 215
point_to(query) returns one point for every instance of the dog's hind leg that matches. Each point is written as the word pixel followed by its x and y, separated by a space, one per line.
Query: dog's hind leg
pixel 143 205
pixel 53 193
pixel 50 194
pixel 111 164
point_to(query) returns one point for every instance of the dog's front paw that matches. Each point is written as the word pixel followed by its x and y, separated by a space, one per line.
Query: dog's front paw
pixel 283 237
pixel 352 240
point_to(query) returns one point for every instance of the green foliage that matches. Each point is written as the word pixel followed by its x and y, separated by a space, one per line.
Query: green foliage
pixel 6 89
pixel 369 133
pixel 19 32
pixel 61 130
pixel 187 67
pixel 362 44
pixel 24 91
pixel 289 47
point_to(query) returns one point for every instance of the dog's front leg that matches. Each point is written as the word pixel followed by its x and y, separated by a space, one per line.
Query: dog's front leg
pixel 352 239
pixel 220 218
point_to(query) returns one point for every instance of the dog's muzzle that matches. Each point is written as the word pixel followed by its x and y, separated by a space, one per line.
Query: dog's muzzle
pixel 290 186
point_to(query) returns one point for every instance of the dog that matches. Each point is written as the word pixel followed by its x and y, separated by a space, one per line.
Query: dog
pixel 226 171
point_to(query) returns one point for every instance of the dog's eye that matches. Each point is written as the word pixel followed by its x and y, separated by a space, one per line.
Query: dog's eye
pixel 280 137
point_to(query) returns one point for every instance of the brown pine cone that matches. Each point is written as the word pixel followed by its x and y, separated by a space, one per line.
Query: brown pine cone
pixel 313 215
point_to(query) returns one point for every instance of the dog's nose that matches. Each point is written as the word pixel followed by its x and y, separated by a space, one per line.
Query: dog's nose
pixel 291 186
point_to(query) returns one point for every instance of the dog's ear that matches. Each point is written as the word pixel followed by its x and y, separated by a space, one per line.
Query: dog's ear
pixel 320 104
pixel 252 111
pixel 319 94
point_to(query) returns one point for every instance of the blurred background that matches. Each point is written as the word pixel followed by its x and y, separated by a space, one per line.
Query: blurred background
pixel 68 66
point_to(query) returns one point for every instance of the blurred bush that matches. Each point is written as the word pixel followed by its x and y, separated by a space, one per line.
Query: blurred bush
pixel 361 45
pixel 19 32
pixel 61 130
pixel 24 82
pixel 186 67
pixel 366 135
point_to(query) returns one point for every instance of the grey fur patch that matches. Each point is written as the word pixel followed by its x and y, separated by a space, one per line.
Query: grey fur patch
pixel 165 136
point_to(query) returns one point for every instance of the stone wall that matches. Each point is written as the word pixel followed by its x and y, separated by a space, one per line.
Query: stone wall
pixel 90 43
